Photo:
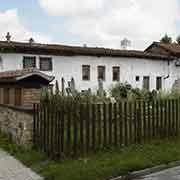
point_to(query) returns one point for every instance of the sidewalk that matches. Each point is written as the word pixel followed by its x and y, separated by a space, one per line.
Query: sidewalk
pixel 12 169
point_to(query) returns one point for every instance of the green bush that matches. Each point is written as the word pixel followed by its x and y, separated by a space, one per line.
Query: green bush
pixel 124 91
pixel 120 90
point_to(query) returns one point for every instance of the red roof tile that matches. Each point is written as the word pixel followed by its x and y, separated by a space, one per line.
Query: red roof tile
pixel 55 49
pixel 172 48
pixel 21 73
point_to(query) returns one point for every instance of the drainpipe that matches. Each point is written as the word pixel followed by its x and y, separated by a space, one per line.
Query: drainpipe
pixel 166 77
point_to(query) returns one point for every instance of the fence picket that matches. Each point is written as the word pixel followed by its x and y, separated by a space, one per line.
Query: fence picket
pixel 115 124
pixel 99 125
pixel 104 124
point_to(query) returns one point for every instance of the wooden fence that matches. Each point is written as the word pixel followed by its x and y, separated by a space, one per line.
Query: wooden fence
pixel 74 129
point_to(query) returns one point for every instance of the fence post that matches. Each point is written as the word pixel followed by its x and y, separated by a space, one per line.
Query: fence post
pixel 138 120
pixel 34 124
pixel 177 117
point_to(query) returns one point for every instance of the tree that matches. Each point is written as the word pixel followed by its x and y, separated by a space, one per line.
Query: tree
pixel 178 39
pixel 166 39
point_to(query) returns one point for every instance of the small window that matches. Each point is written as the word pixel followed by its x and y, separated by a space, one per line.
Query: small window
pixel 159 83
pixel 6 94
pixel 137 78
pixel 29 62
pixel 146 82
pixel 86 72
pixel 45 64
pixel 101 72
pixel 116 73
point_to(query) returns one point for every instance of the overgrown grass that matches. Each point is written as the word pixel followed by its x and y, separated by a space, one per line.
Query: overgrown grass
pixel 100 166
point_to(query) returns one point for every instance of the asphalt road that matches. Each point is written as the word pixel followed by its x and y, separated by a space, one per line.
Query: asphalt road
pixel 168 174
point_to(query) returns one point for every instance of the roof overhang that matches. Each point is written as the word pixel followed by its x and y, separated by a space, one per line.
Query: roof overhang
pixel 42 75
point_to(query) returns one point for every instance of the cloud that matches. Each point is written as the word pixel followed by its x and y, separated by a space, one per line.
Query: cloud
pixel 10 22
pixel 71 7
pixel 106 23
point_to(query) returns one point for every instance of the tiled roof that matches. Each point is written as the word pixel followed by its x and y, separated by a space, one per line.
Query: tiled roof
pixel 18 74
pixel 172 48
pixel 55 49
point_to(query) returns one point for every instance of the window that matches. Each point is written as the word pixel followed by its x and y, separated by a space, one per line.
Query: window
pixel 101 73
pixel 86 72
pixel 116 73
pixel 137 78
pixel 45 64
pixel 1 63
pixel 18 96
pixel 6 95
pixel 29 62
pixel 146 82
pixel 159 83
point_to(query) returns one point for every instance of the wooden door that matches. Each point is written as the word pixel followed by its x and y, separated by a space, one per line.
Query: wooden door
pixel 18 96
pixel 6 94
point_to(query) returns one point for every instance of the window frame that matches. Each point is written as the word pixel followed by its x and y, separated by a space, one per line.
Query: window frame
pixel 33 58
pixel 104 72
pixel 114 68
pixel 89 72
pixel 50 65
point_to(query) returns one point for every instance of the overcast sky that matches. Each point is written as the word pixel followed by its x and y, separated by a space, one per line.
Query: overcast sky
pixel 92 22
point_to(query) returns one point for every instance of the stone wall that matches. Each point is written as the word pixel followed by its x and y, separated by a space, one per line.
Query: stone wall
pixel 18 123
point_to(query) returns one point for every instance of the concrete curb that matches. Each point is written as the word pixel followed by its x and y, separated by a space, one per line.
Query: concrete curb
pixel 147 171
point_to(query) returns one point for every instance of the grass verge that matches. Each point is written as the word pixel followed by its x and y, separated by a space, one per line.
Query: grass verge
pixel 102 165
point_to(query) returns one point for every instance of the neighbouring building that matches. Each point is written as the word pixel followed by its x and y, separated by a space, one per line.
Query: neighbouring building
pixel 22 87
pixel 143 69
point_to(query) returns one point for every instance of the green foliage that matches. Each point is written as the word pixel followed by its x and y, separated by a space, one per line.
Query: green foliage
pixel 178 39
pixel 120 90
pixel 124 91
pixel 85 97
pixel 166 39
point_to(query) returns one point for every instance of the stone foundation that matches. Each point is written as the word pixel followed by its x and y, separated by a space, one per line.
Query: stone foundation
pixel 18 123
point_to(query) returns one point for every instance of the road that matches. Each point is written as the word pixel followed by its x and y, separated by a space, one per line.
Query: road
pixel 168 174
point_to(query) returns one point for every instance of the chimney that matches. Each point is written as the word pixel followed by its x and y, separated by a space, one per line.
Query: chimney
pixel 31 41
pixel 8 37
pixel 125 44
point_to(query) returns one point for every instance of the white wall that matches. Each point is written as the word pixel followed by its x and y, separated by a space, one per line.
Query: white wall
pixel 71 66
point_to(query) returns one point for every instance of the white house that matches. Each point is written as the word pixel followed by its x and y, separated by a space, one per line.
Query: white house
pixel 86 65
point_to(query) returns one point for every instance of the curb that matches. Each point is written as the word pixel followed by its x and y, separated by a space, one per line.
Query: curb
pixel 147 171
